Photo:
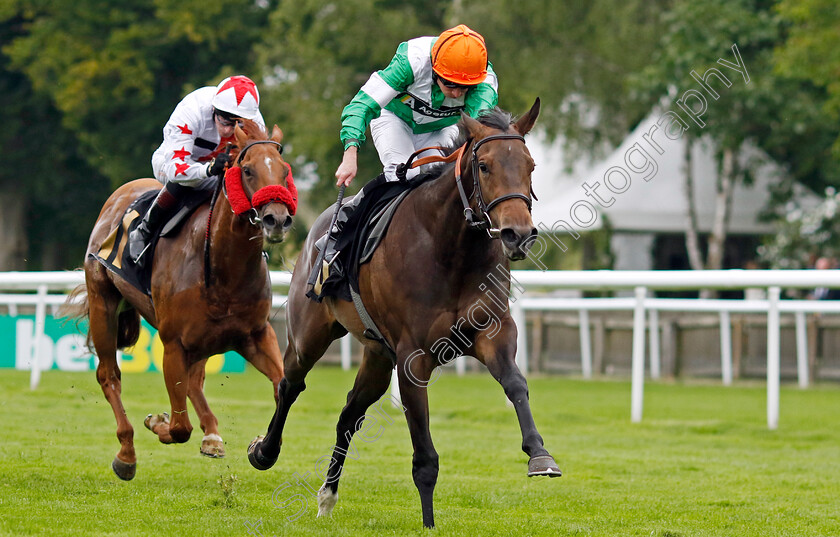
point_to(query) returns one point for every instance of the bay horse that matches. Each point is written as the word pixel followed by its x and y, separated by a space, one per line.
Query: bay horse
pixel 195 318
pixel 428 289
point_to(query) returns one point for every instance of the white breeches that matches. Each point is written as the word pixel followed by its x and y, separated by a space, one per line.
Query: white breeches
pixel 395 142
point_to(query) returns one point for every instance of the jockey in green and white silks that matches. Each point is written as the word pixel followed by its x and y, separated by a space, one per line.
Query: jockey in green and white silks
pixel 418 98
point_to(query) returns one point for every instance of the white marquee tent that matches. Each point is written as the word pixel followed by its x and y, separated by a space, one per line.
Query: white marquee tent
pixel 657 205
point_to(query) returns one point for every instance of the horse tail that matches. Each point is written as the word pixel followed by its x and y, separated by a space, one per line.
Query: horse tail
pixel 128 328
pixel 76 308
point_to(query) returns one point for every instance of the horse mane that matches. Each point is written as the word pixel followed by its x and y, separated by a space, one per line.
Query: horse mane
pixel 254 130
pixel 495 118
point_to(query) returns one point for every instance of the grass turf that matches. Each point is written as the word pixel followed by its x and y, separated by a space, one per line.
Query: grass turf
pixel 702 462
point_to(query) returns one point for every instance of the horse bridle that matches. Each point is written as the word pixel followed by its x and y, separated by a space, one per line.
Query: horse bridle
pixel 253 214
pixel 481 221
pixel 256 142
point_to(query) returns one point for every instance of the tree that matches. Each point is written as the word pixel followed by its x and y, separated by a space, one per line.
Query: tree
pixel 94 82
pixel 577 56
pixel 811 51
pixel 50 195
pixel 734 111
pixel 316 56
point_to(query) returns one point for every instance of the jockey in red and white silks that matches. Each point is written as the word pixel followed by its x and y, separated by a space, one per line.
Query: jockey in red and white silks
pixel 192 153
pixel 191 138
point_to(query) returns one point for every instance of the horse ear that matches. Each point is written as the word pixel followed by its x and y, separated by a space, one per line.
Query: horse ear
pixel 473 126
pixel 524 124
pixel 276 134
pixel 240 135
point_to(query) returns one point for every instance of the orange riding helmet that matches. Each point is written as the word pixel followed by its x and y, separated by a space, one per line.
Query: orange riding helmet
pixel 459 55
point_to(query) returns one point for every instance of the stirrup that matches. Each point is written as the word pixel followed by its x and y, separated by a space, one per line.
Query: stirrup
pixel 324 272
pixel 140 260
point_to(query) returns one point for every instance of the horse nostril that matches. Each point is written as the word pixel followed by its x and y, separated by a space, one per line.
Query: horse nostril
pixel 510 237
pixel 287 223
pixel 269 221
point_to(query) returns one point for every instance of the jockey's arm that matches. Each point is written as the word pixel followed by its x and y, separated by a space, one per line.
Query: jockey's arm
pixel 173 160
pixel 484 96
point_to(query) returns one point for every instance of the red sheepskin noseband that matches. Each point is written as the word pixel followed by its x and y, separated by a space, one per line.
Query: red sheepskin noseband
pixel 240 203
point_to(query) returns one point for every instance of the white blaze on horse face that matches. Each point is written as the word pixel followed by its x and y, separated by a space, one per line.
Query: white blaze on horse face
pixel 268 164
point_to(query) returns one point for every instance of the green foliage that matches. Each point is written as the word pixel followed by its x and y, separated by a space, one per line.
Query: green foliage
pixel 116 69
pixel 811 51
pixel 316 56
pixel 777 114
pixel 88 84
pixel 804 233
pixel 576 56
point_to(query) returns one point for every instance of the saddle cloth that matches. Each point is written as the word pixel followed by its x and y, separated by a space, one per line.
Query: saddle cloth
pixel 113 254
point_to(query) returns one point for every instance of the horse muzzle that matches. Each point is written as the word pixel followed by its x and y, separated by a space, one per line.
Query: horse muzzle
pixel 516 242
pixel 275 226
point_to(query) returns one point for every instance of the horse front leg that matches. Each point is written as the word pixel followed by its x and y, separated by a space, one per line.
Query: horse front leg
pixel 212 444
pixel 311 329
pixel 498 354
pixel 264 449
pixel 414 375
pixel 371 383
pixel 177 379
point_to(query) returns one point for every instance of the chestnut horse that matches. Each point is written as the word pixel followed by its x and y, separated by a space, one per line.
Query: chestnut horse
pixel 195 320
pixel 435 288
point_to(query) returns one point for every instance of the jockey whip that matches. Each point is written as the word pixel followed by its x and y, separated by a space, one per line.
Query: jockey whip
pixel 320 259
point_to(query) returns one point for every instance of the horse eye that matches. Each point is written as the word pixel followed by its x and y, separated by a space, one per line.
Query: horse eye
pixel 246 170
pixel 482 167
pixel 280 149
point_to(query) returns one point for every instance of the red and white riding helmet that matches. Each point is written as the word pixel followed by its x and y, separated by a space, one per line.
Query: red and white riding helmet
pixel 237 95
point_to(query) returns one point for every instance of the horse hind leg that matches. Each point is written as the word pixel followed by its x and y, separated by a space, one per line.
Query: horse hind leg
pixel 104 301
pixel 371 383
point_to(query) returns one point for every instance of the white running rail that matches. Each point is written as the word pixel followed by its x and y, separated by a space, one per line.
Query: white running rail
pixel 48 289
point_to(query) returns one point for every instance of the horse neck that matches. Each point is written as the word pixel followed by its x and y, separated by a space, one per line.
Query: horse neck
pixel 235 256
pixel 476 252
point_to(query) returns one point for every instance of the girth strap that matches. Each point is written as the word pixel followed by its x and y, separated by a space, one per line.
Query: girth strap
pixel 371 331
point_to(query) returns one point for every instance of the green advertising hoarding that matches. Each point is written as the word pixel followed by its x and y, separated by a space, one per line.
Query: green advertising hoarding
pixel 63 348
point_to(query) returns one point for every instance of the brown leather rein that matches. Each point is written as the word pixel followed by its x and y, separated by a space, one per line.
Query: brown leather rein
pixel 480 218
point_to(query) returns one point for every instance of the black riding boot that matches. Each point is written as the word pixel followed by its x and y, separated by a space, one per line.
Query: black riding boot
pixel 332 235
pixel 138 239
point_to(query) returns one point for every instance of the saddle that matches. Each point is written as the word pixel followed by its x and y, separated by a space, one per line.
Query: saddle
pixel 113 254
pixel 360 235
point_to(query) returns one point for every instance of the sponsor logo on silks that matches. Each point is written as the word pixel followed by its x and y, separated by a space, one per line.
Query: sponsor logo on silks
pixel 423 108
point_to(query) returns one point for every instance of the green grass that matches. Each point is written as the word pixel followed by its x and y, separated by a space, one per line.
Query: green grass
pixel 702 462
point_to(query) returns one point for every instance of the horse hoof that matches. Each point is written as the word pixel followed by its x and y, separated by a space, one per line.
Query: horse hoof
pixel 326 500
pixel 543 465
pixel 212 446
pixel 124 470
pixel 152 420
pixel 256 458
